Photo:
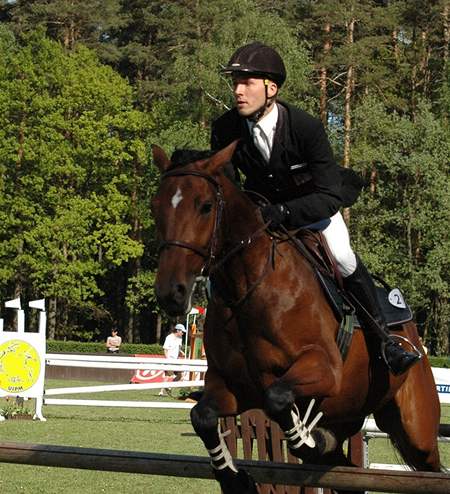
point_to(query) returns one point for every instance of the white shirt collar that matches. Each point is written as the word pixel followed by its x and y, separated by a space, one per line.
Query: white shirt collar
pixel 268 125
pixel 269 122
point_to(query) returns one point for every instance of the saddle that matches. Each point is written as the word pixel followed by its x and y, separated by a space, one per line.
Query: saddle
pixel 313 246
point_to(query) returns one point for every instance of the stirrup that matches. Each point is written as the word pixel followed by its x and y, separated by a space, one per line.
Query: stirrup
pixel 415 352
pixel 301 434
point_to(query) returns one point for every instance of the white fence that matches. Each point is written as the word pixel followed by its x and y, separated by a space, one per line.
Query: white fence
pixel 186 366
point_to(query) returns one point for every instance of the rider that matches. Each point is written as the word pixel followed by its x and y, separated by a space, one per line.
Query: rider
pixel 285 155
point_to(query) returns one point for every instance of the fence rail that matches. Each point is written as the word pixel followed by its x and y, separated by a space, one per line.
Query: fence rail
pixel 346 478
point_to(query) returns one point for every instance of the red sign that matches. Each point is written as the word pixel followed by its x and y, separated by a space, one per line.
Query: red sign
pixel 149 376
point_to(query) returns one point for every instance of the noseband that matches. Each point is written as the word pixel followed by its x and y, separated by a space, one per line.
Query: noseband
pixel 209 252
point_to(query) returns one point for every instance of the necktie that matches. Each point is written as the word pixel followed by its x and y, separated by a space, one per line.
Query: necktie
pixel 261 142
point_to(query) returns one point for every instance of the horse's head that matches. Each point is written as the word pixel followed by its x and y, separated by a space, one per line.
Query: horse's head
pixel 187 210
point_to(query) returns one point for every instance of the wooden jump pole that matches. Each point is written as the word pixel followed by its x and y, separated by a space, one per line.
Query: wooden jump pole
pixel 198 467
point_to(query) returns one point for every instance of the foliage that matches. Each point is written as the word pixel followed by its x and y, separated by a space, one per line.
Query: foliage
pixel 439 362
pixel 70 140
pixel 14 407
pixel 407 162
pixel 60 346
pixel 75 173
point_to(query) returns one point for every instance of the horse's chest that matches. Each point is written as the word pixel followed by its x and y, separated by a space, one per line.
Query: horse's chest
pixel 265 361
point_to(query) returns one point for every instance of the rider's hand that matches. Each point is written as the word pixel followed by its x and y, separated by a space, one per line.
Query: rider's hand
pixel 276 214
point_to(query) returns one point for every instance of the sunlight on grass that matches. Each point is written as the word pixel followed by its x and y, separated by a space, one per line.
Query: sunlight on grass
pixel 134 429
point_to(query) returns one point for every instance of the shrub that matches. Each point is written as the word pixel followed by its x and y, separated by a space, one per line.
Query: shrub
pixel 56 346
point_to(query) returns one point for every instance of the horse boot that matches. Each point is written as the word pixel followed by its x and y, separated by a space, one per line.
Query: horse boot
pixel 362 290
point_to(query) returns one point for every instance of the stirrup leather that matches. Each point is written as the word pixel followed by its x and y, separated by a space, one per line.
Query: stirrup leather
pixel 301 433
pixel 221 452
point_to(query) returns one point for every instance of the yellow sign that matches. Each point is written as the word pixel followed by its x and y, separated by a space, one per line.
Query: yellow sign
pixel 20 366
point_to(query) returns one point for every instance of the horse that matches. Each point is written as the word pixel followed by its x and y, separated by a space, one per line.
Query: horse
pixel 270 334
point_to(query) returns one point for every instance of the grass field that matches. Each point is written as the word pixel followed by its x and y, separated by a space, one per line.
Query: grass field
pixel 154 430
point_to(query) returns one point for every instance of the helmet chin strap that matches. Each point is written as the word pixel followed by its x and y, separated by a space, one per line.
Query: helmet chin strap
pixel 258 114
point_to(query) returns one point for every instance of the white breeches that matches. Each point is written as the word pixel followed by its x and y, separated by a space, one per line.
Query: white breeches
pixel 338 241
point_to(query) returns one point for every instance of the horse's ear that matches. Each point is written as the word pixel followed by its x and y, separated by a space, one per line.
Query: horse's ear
pixel 222 157
pixel 160 158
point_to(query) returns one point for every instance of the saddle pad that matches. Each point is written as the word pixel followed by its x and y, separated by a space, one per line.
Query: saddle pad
pixel 394 314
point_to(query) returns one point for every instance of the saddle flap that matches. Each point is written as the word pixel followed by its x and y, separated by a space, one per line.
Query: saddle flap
pixel 317 246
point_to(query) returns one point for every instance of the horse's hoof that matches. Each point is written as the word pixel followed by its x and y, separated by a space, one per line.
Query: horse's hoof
pixel 325 443
pixel 235 483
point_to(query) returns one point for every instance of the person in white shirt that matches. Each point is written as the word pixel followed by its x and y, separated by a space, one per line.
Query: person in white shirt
pixel 113 342
pixel 172 349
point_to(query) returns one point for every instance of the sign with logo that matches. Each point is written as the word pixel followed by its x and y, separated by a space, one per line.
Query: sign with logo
pixel 442 378
pixel 141 376
pixel 22 356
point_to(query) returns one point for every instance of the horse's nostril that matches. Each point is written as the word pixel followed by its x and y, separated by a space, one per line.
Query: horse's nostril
pixel 179 292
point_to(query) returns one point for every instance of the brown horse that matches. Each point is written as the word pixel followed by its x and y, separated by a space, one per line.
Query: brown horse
pixel 270 335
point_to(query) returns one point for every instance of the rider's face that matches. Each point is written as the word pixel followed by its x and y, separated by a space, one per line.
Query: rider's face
pixel 250 94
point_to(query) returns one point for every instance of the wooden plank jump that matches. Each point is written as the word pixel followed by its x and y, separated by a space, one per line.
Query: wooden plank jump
pixel 199 467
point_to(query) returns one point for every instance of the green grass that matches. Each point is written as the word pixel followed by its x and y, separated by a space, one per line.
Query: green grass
pixel 152 430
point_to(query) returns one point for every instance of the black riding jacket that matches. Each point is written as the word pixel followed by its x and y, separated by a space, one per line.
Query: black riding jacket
pixel 301 173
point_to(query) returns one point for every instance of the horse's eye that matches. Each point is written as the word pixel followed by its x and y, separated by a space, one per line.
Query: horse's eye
pixel 206 208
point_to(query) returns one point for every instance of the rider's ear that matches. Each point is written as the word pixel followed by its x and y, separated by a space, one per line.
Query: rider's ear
pixel 160 158
pixel 222 157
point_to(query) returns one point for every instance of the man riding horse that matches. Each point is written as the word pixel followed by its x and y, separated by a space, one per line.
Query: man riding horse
pixel 285 155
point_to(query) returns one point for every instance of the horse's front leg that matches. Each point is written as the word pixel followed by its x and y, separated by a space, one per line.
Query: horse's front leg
pixel 313 376
pixel 218 401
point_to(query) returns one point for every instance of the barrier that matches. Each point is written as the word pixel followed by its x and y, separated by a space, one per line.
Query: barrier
pixel 345 478
pixel 23 361
pixel 188 366
pixel 263 439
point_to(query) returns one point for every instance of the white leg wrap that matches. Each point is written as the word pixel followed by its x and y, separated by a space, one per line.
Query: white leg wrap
pixel 301 432
pixel 222 453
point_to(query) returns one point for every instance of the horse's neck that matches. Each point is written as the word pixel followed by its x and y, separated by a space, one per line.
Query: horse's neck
pixel 240 215
pixel 245 245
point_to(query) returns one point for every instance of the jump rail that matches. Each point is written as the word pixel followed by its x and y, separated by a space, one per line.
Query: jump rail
pixel 346 478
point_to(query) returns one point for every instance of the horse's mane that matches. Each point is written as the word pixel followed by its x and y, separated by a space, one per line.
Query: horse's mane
pixel 183 157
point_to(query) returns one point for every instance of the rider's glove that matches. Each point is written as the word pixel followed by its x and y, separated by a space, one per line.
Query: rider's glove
pixel 276 214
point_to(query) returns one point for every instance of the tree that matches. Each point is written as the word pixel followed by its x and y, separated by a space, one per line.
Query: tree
pixel 67 21
pixel 407 240
pixel 67 169
pixel 173 51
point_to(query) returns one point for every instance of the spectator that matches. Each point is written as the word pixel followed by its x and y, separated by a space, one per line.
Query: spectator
pixel 113 342
pixel 172 349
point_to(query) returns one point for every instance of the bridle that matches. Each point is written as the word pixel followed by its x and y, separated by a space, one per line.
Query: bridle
pixel 209 252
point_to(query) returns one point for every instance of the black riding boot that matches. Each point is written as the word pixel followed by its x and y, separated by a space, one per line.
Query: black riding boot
pixel 361 287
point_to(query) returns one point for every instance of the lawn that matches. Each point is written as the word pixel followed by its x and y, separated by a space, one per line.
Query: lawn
pixel 154 430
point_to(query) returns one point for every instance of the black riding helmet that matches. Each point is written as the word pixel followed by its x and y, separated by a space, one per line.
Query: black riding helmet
pixel 257 60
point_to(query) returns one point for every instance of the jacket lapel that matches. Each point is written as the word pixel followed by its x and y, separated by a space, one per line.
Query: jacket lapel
pixel 249 152
pixel 279 141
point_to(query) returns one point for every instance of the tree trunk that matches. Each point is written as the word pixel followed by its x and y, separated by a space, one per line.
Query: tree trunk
pixel 446 24
pixel 446 27
pixel 323 73
pixel 424 62
pixel 132 329
pixel 395 44
pixel 158 328
pixel 349 84
pixel 51 319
